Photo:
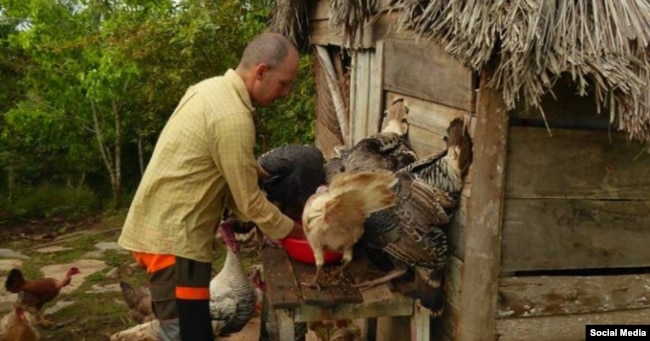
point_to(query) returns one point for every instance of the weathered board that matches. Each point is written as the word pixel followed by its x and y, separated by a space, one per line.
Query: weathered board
pixel 425 71
pixel 425 142
pixel 284 293
pixel 565 295
pixel 360 78
pixel 333 291
pixel 443 327
pixel 575 164
pixel 551 234
pixel 563 327
pixel 484 217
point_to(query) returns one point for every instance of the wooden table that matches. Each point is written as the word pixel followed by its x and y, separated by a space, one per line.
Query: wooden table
pixel 338 300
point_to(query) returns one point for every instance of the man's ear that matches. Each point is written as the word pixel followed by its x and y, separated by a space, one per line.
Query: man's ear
pixel 260 71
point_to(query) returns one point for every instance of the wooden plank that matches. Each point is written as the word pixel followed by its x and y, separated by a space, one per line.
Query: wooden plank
pixel 552 234
pixel 575 164
pixel 564 295
pixel 333 291
pixel 322 34
pixel 483 228
pixel 399 305
pixel 565 327
pixel 375 88
pixel 283 293
pixel 425 71
pixel 359 116
pixel 424 141
pixel 429 115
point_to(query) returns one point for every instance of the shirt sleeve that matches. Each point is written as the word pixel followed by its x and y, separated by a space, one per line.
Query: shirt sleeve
pixel 233 153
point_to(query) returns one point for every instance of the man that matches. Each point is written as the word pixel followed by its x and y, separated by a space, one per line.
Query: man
pixel 202 164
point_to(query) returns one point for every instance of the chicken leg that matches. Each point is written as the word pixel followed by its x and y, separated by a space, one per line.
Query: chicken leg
pixel 319 256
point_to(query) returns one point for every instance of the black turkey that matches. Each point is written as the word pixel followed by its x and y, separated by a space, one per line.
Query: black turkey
pixel 410 234
pixel 291 173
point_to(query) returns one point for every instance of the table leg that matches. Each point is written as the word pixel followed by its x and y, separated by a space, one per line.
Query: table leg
pixel 420 323
pixel 285 322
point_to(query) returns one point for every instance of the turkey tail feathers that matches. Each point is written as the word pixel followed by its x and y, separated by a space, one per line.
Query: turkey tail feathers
pixel 428 288
pixel 15 281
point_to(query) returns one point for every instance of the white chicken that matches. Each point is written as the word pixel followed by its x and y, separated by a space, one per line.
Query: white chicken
pixel 232 298
pixel 333 217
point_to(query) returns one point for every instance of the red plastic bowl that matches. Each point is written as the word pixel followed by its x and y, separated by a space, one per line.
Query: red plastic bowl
pixel 300 250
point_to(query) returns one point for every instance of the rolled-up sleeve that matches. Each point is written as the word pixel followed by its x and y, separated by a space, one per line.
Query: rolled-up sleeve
pixel 233 153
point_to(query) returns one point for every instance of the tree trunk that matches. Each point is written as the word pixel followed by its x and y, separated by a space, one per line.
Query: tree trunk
pixel 117 186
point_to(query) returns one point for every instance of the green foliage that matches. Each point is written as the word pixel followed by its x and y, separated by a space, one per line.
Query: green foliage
pixel 76 71
pixel 47 200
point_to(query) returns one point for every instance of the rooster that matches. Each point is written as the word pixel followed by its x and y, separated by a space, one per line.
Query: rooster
pixel 36 293
pixel 333 217
pixel 139 302
pixel 18 325
pixel 410 233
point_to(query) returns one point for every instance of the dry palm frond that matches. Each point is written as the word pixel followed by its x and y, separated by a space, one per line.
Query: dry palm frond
pixel 601 44
pixel 291 19
pixel 351 16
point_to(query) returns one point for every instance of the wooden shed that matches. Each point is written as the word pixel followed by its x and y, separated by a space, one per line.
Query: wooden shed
pixel 554 225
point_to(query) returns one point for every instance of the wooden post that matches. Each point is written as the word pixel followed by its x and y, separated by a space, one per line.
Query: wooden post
pixel 480 273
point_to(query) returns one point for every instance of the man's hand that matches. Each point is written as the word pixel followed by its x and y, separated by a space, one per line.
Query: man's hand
pixel 297 231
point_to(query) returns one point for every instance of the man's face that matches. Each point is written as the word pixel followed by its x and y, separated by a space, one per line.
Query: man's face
pixel 272 84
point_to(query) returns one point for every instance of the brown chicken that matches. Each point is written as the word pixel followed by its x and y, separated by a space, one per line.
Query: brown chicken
pixel 18 325
pixel 37 293
pixel 139 302
pixel 333 217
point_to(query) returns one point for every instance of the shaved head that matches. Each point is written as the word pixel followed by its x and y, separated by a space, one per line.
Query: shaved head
pixel 269 48
pixel 268 67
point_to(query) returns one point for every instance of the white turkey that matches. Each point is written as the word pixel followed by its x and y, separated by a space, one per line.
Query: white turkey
pixel 232 298
pixel 388 149
pixel 410 234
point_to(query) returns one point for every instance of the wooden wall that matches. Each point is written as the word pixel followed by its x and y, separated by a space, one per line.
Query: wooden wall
pixel 576 225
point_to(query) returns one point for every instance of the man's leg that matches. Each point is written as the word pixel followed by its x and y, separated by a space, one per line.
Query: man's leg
pixel 162 283
pixel 193 299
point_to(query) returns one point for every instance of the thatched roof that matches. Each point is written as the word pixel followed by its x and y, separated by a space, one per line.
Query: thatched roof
pixel 529 44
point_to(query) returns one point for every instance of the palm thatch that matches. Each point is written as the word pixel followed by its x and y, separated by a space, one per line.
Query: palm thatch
pixel 530 44
pixel 290 18
pixel 601 44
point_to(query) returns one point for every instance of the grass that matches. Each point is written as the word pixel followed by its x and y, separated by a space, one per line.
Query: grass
pixel 94 316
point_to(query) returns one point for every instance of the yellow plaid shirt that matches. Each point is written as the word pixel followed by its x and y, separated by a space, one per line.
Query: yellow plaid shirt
pixel 203 162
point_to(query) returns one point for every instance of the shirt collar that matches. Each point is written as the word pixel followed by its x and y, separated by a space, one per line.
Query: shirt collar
pixel 240 86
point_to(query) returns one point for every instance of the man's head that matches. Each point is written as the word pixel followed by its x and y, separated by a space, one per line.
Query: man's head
pixel 268 66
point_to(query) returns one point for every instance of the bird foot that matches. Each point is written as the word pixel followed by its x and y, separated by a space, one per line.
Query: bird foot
pixel 312 285
pixel 381 280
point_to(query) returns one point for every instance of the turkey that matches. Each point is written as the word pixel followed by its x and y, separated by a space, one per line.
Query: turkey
pixel 334 165
pixel 290 174
pixel 409 234
pixel 333 217
pixel 232 298
pixel 388 149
